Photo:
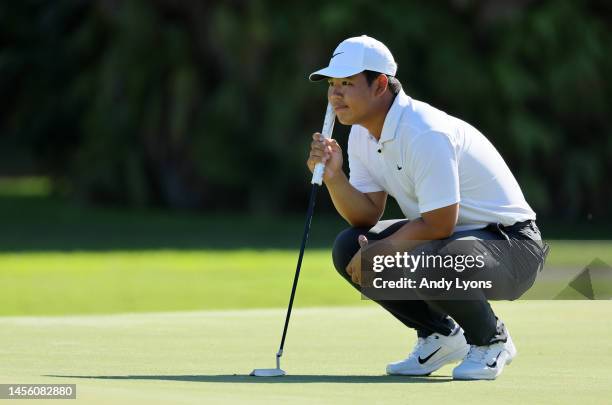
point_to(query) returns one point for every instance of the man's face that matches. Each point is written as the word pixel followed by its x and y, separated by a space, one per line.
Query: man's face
pixel 351 98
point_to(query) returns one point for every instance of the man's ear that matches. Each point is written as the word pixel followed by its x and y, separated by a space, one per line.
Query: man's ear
pixel 382 82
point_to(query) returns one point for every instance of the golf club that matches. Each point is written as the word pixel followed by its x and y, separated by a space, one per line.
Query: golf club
pixel 317 180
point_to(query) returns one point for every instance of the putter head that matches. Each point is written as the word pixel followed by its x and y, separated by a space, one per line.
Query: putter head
pixel 267 372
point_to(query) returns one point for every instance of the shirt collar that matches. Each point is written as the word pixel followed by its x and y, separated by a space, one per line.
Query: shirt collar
pixel 393 117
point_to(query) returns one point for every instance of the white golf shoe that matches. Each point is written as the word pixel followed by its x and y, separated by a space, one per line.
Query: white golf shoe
pixel 431 353
pixel 487 362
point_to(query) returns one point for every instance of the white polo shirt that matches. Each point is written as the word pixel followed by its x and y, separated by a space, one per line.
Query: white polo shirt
pixel 427 159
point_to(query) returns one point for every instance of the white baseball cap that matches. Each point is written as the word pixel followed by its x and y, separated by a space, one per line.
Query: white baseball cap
pixel 354 55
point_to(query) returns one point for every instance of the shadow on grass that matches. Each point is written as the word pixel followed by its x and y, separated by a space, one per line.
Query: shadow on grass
pixel 41 223
pixel 288 379
pixel 35 224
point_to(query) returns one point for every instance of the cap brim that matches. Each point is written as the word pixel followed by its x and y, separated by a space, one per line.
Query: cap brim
pixel 334 71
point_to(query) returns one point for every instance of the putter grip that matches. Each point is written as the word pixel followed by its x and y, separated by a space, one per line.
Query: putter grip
pixel 328 128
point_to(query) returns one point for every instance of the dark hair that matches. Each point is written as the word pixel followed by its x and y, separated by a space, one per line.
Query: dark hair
pixel 394 85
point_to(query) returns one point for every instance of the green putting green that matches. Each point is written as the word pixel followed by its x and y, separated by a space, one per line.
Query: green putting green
pixel 333 355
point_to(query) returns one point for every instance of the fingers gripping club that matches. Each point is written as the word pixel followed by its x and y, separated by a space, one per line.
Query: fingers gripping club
pixel 328 128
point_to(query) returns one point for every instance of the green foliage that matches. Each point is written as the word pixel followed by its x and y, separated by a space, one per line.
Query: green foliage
pixel 206 104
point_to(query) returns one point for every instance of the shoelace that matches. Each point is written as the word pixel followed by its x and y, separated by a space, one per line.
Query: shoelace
pixel 477 353
pixel 420 343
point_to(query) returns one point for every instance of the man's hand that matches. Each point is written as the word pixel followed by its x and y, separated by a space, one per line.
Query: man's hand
pixel 327 151
pixel 354 267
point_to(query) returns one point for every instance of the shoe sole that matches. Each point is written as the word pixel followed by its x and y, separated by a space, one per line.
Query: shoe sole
pixel 451 357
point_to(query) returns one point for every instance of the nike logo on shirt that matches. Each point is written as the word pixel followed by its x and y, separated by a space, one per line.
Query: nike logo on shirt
pixel 423 361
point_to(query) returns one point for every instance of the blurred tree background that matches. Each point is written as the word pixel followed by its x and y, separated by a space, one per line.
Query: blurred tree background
pixel 190 104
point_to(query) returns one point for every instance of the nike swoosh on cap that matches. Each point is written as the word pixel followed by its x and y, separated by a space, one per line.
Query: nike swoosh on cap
pixel 423 361
pixel 336 54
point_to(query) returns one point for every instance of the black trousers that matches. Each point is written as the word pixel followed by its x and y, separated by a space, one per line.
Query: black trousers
pixel 516 269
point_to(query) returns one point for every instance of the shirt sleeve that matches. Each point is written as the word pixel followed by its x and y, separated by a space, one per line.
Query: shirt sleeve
pixel 359 176
pixel 435 171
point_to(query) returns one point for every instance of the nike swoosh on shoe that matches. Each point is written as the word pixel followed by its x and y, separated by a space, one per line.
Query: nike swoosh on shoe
pixel 423 361
pixel 494 364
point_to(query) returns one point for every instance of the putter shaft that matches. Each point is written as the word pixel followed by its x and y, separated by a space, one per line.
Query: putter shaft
pixel 309 214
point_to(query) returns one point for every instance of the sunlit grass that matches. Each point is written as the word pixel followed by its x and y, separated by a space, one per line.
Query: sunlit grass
pixel 25 186
pixel 140 281
pixel 57 283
